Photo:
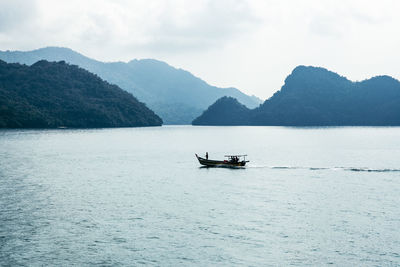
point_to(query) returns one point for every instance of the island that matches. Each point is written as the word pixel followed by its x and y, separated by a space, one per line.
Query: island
pixel 57 94
pixel 315 96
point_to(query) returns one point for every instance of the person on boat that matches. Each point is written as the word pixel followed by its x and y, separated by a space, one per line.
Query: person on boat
pixel 206 155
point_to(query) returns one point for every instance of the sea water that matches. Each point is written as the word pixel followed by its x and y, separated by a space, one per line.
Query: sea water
pixel 137 196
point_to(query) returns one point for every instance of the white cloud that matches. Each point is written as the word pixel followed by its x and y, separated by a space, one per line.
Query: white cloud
pixel 201 25
pixel 159 25
pixel 15 14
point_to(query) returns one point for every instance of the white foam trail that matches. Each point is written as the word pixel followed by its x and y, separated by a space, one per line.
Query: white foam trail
pixel 353 169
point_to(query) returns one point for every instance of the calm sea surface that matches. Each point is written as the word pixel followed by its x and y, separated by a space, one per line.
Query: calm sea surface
pixel 133 196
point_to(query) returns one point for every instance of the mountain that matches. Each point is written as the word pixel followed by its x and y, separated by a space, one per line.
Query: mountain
pixel 225 111
pixel 174 94
pixel 50 95
pixel 313 96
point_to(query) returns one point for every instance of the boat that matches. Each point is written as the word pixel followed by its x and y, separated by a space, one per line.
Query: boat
pixel 231 161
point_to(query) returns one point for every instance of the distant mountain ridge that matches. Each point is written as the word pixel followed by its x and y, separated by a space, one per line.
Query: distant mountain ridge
pixel 314 96
pixel 174 94
pixel 56 94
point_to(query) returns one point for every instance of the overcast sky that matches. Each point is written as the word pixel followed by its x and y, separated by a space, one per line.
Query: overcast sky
pixel 252 45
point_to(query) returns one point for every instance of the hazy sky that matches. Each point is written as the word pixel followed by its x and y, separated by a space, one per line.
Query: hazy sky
pixel 251 45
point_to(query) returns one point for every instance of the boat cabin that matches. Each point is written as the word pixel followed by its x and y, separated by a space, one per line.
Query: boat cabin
pixel 236 158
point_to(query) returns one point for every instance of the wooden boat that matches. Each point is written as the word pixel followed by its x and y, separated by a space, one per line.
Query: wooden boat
pixel 232 161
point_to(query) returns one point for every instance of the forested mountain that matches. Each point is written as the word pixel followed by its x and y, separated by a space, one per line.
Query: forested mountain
pixel 225 111
pixel 174 94
pixel 50 95
pixel 313 96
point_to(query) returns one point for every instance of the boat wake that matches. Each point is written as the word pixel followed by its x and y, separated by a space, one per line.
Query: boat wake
pixel 371 170
pixel 223 166
pixel 353 169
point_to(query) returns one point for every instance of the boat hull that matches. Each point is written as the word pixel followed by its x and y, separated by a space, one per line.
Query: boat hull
pixel 220 163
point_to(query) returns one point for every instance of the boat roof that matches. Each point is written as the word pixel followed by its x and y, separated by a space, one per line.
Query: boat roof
pixel 235 156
